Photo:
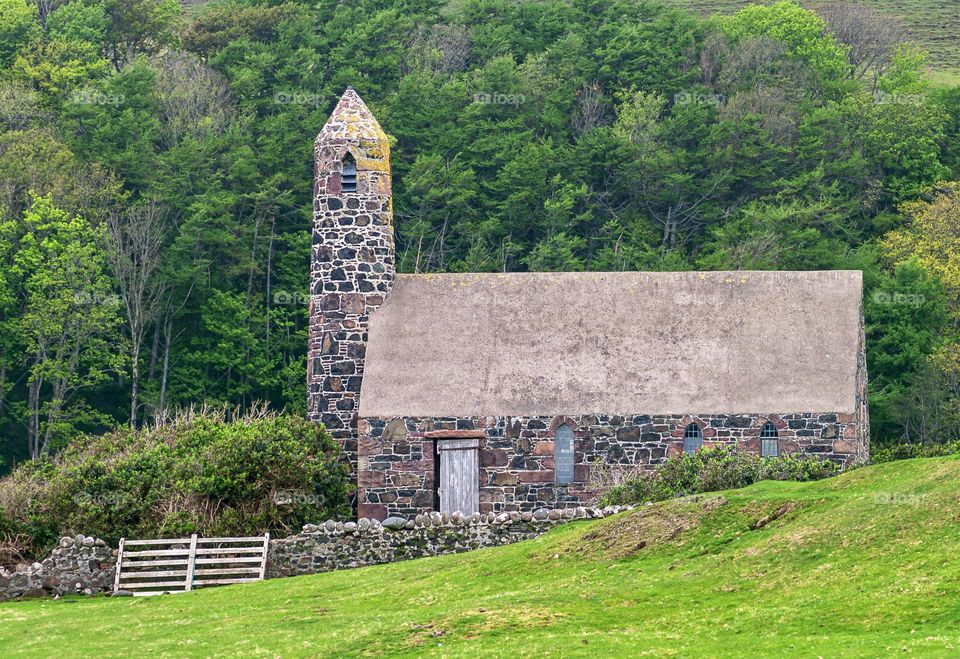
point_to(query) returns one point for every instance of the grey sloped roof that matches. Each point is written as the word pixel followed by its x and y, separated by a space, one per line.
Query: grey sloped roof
pixel 626 342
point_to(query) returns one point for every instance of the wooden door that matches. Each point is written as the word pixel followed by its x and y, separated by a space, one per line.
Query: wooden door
pixel 459 476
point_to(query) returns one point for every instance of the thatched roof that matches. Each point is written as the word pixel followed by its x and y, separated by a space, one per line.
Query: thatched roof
pixel 630 342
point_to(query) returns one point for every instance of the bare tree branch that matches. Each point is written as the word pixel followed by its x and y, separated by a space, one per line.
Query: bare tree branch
pixel 135 240
pixel 194 99
pixel 871 35
pixel 589 110
pixel 441 48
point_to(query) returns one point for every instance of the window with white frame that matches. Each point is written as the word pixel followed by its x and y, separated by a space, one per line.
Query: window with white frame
pixel 692 438
pixel 769 441
pixel 563 454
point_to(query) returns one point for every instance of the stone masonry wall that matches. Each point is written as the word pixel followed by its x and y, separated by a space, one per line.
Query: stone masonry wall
pixel 78 566
pixel 341 545
pixel 352 265
pixel 516 457
pixel 85 566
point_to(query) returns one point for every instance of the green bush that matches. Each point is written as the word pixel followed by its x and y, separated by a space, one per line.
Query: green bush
pixel 907 451
pixel 716 468
pixel 197 474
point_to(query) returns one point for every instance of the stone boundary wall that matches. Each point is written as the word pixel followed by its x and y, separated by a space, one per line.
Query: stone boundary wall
pixel 78 566
pixel 85 566
pixel 341 545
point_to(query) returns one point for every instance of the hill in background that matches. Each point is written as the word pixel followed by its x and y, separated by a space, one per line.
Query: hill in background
pixel 933 24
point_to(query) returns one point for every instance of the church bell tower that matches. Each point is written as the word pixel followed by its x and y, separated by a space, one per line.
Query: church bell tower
pixel 352 262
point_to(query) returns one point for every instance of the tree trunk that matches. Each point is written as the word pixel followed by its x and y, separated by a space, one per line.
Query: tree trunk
pixel 166 368
pixel 33 425
pixel 134 382
pixel 253 258
pixel 56 408
pixel 154 351
pixel 668 230
pixel 273 234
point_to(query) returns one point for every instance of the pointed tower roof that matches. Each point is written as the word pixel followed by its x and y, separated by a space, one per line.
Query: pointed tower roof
pixel 351 121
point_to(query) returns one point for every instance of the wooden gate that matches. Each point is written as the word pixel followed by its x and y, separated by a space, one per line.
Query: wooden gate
pixel 459 475
pixel 170 565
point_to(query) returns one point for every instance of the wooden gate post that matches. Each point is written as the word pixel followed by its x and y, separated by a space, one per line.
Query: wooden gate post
pixel 191 561
pixel 116 575
pixel 266 548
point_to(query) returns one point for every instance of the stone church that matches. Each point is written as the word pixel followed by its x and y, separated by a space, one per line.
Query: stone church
pixel 507 392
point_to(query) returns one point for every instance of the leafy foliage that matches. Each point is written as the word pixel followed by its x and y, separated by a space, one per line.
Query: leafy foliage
pixel 910 451
pixel 716 468
pixel 547 135
pixel 197 474
pixel 932 237
pixel 65 330
pixel 803 34
pixel 18 27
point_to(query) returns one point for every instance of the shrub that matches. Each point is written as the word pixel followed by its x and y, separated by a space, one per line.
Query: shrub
pixel 197 474
pixel 907 451
pixel 716 468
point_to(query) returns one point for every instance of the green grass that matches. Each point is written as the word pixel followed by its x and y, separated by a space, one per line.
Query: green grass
pixel 944 77
pixel 865 564
pixel 932 24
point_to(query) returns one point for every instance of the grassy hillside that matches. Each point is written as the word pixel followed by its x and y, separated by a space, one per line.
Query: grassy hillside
pixel 861 565
pixel 933 24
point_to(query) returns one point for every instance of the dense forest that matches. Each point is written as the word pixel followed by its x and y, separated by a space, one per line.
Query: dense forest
pixel 155 179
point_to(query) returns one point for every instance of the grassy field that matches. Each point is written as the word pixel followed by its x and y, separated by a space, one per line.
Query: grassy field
pixel 861 565
pixel 933 24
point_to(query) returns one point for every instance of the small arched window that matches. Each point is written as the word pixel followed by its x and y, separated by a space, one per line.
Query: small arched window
pixel 769 441
pixel 348 181
pixel 563 455
pixel 692 438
